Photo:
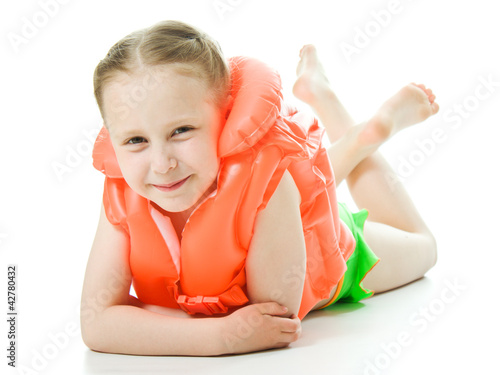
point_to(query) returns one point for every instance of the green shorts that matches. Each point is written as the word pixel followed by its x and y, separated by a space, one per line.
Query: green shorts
pixel 361 261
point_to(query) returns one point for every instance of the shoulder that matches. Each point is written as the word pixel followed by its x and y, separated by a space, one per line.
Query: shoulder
pixel 286 193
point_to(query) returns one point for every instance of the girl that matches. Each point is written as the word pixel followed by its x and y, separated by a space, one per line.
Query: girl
pixel 219 203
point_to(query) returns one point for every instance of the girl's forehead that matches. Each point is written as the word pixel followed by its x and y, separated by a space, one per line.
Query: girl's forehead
pixel 144 76
pixel 140 86
pixel 150 96
pixel 142 81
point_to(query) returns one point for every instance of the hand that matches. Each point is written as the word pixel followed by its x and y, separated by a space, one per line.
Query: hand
pixel 259 326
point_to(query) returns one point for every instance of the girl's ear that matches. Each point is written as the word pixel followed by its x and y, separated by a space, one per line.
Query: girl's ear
pixel 228 106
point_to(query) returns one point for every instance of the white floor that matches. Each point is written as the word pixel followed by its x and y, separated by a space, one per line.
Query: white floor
pixel 50 194
pixel 440 324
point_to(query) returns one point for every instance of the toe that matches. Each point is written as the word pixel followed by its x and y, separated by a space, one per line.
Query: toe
pixel 435 107
pixel 418 85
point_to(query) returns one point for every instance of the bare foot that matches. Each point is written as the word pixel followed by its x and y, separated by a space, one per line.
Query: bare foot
pixel 411 105
pixel 312 82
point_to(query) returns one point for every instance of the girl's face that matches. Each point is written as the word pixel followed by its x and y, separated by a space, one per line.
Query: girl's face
pixel 164 128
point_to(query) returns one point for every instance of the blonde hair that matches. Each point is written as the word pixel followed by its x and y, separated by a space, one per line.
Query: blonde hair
pixel 167 42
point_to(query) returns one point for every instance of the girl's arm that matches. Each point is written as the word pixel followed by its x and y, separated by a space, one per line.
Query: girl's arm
pixel 276 261
pixel 112 321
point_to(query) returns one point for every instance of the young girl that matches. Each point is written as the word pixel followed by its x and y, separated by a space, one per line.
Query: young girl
pixel 219 202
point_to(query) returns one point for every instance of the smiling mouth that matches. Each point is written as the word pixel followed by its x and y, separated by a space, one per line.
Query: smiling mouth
pixel 173 186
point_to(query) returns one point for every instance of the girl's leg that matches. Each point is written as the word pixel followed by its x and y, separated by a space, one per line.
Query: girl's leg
pixel 395 231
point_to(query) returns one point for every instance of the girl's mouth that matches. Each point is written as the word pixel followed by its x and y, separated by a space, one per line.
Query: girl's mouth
pixel 172 186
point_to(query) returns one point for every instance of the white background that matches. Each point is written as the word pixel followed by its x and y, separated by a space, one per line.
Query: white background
pixel 50 194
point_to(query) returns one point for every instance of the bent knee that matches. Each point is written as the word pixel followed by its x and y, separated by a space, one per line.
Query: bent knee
pixel 429 247
pixel 433 250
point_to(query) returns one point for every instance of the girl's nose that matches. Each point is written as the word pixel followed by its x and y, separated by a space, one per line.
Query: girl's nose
pixel 162 162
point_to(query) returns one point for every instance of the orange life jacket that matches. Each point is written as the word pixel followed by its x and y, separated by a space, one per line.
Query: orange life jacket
pixel 205 271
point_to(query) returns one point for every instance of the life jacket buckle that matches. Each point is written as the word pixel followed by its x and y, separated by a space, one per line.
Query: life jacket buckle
pixel 201 304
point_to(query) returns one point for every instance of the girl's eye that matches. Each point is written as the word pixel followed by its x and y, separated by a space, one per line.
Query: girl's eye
pixel 182 129
pixel 135 140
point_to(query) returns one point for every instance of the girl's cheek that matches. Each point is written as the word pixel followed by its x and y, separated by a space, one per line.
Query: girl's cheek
pixel 132 167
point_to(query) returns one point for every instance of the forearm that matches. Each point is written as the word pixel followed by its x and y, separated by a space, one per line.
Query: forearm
pixel 174 313
pixel 132 330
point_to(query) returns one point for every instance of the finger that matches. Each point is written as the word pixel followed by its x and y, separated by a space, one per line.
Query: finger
pixel 291 325
pixel 289 337
pixel 271 308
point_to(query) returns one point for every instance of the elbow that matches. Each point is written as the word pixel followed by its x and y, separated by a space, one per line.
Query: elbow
pixel 91 334
pixel 88 318
pixel 95 342
pixel 89 343
pixel 90 338
pixel 286 291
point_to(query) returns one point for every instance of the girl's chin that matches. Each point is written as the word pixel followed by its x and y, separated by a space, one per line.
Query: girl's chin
pixel 175 206
pixel 184 202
